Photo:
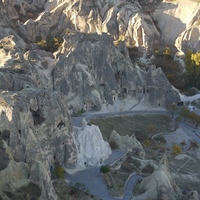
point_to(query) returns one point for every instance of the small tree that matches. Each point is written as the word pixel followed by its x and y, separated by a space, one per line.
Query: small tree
pixel 195 119
pixel 176 149
pixel 104 169
pixel 173 109
pixel 147 142
pixel 167 51
pixel 185 113
pixel 59 171
pixel 192 66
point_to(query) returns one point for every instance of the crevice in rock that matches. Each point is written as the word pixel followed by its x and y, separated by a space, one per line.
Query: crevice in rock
pixel 4 158
pixel 5 135
pixel 37 117
pixel 60 125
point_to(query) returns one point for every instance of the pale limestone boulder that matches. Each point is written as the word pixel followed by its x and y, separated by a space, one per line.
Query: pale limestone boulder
pixel 178 23
pixel 92 149
pixel 89 69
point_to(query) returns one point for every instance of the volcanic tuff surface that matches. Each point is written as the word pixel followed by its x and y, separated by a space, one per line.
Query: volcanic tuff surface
pixel 91 69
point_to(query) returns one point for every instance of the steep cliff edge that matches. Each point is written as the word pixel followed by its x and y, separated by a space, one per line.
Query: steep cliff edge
pixel 36 134
pixel 179 24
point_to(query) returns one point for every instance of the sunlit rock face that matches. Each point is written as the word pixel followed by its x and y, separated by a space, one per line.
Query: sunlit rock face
pixel 92 149
pixel 117 18
pixel 179 23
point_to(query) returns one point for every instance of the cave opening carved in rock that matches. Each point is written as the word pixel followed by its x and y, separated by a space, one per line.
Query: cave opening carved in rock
pixel 37 116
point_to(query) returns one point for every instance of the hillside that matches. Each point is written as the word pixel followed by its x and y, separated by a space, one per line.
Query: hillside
pixel 64 57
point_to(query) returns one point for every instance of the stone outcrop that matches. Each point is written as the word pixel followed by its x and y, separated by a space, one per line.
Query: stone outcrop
pixel 92 149
pixel 193 195
pixel 90 70
pixel 127 143
pixel 179 24
pixel 36 134
pixel 159 185
pixel 118 19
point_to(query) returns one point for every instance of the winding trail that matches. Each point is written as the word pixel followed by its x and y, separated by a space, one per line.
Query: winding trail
pixel 91 176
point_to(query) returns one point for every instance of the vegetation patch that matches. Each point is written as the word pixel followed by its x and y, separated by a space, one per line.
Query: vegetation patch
pixel 59 172
pixel 143 126
pixel 50 44
pixel 148 169
pixel 176 149
pixel 105 169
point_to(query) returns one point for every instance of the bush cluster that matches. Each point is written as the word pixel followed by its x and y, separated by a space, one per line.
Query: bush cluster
pixel 59 172
pixel 176 149
pixel 105 169
pixel 50 44
pixel 147 142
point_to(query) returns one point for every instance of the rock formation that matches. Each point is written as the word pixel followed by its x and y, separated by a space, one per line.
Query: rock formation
pixel 35 134
pixel 127 143
pixel 122 18
pixel 92 149
pixel 159 185
pixel 179 24
pixel 94 70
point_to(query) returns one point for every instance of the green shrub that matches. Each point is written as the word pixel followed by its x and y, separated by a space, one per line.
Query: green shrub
pixel 50 44
pixel 147 143
pixel 176 149
pixel 59 172
pixel 191 91
pixel 105 169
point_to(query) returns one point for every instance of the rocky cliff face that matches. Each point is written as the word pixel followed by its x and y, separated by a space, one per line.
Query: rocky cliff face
pixel 36 134
pixel 179 24
pixel 91 71
pixel 38 88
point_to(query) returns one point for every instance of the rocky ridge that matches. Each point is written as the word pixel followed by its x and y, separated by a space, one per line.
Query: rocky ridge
pixel 34 139
pixel 39 88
